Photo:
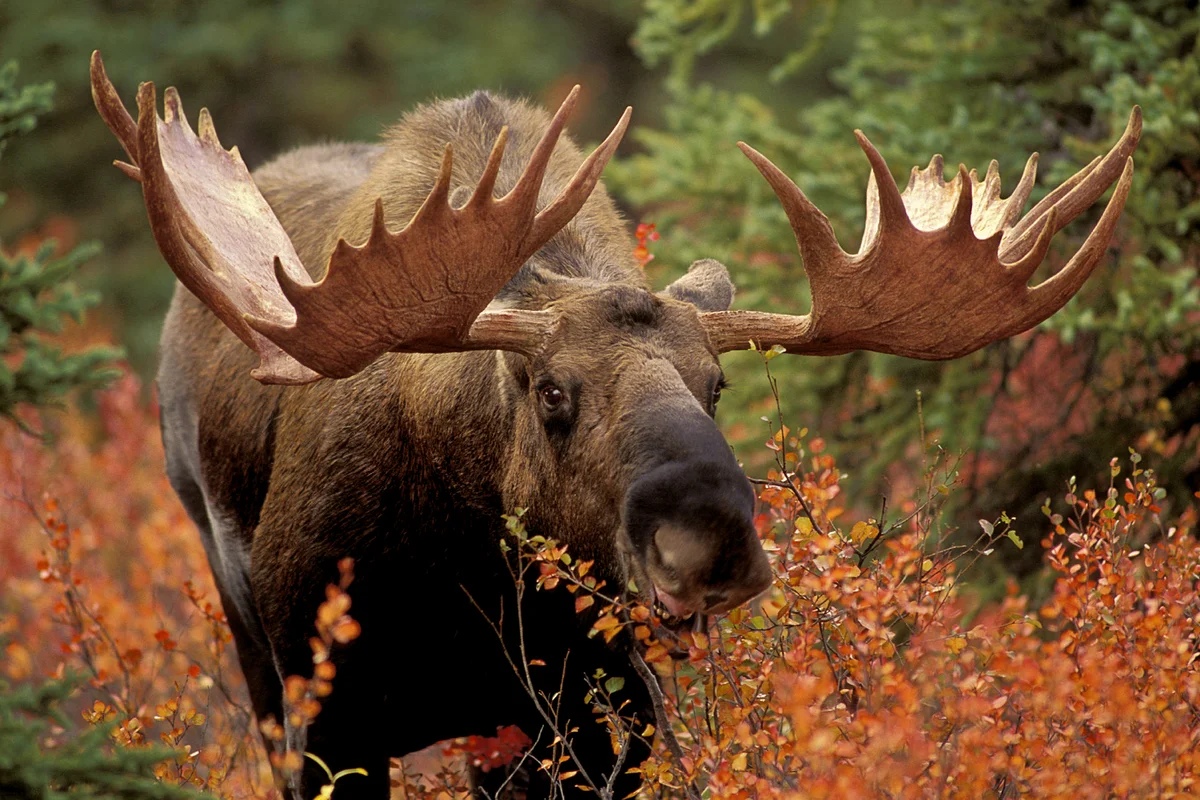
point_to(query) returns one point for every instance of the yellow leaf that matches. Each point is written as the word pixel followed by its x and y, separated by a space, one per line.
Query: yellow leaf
pixel 605 622
pixel 863 531
pixel 739 762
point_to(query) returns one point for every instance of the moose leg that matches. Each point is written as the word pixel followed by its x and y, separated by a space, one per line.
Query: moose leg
pixel 258 668
pixel 351 730
pixel 249 638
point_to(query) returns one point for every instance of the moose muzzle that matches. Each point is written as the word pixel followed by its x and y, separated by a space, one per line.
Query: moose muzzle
pixel 690 520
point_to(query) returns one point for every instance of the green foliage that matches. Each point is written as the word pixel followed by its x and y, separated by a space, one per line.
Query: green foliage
pixel 39 761
pixel 680 31
pixel 19 108
pixel 975 81
pixel 35 296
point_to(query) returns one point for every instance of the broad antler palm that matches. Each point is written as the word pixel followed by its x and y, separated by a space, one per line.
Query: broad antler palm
pixel 421 289
pixel 943 267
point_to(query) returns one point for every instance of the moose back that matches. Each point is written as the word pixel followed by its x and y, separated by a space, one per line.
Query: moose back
pixel 468 292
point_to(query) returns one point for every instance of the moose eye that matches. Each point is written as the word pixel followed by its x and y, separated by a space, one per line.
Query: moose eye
pixel 552 396
pixel 716 393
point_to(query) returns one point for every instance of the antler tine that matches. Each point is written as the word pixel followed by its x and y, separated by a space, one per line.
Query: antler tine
pixel 113 112
pixel 1078 192
pixel 437 202
pixel 885 207
pixel 173 109
pixel 1020 194
pixel 960 215
pixel 993 215
pixel 940 273
pixel 571 199
pixel 990 184
pixel 1023 268
pixel 1053 293
pixel 204 127
pixel 814 235
pixel 487 181
pixel 525 194
pixel 937 164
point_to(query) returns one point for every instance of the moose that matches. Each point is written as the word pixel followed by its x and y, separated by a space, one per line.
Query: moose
pixel 378 350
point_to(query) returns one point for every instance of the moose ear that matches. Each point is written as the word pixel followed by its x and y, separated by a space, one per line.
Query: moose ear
pixel 706 286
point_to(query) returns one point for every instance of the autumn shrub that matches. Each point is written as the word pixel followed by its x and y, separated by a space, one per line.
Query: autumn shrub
pixel 871 670
pixel 104 575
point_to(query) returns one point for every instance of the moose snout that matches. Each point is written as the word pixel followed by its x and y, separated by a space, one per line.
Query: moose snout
pixel 689 574
pixel 691 524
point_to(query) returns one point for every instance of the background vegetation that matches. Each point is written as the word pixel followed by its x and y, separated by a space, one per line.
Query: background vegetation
pixel 1032 417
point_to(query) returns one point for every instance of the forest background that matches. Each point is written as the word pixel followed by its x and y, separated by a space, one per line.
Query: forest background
pixel 1114 372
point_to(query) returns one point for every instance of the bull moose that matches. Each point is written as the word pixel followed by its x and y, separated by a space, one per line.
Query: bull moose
pixel 468 292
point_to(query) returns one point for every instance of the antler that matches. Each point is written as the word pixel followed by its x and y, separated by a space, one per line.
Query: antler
pixel 422 289
pixel 942 269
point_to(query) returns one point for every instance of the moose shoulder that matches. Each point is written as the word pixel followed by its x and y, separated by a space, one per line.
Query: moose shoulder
pixel 472 289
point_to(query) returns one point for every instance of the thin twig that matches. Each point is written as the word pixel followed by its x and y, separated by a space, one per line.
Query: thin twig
pixel 528 687
pixel 660 717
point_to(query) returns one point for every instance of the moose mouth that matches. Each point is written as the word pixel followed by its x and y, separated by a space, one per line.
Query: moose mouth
pixel 676 619
pixel 669 604
pixel 674 614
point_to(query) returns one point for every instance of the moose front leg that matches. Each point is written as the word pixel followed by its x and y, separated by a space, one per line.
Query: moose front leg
pixel 348 734
pixel 350 729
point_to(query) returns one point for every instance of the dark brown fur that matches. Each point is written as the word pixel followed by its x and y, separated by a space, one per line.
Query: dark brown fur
pixel 408 465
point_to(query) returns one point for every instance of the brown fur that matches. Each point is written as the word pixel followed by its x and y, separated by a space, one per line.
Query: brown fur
pixel 408 465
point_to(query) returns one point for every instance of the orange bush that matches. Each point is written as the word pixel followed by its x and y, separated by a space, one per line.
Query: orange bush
pixel 861 676
pixel 105 575
pixel 869 670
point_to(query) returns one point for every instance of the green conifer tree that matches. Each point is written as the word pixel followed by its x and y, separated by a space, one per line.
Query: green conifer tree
pixel 36 296
pixel 70 767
